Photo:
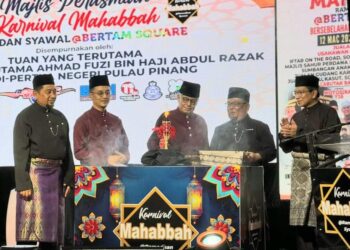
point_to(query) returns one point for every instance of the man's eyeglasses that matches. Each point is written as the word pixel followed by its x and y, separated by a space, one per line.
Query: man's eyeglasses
pixel 101 93
pixel 51 91
pixel 189 100
pixel 300 92
pixel 235 104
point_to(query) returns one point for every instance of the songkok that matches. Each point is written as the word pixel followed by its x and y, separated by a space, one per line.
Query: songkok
pixel 98 81
pixel 236 92
pixel 190 89
pixel 307 81
pixel 333 103
pixel 40 80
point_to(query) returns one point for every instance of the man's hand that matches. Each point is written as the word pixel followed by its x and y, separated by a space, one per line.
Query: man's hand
pixel 66 190
pixel 117 159
pixel 284 122
pixel 288 129
pixel 251 157
pixel 26 194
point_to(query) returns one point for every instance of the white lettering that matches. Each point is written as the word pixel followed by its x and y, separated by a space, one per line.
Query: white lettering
pixel 338 193
pixel 144 214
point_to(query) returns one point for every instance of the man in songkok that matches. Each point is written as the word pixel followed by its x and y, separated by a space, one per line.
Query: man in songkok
pixel 99 136
pixel 242 133
pixel 190 129
pixel 334 104
pixel 345 109
pixel 44 167
pixel 313 116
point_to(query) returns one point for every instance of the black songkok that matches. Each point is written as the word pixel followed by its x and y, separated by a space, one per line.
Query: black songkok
pixel 307 81
pixel 333 103
pixel 98 81
pixel 40 80
pixel 236 92
pixel 190 89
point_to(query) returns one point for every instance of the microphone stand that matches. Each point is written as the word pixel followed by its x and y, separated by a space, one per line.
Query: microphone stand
pixel 310 143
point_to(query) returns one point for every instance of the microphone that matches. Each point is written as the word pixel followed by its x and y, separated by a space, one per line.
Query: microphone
pixel 310 141
pixel 317 131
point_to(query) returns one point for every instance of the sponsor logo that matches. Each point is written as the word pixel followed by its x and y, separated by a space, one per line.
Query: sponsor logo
pixel 173 88
pixel 182 10
pixel 28 93
pixel 152 92
pixel 130 91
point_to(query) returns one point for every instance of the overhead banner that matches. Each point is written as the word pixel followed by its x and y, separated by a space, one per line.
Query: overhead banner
pixel 316 42
pixel 147 48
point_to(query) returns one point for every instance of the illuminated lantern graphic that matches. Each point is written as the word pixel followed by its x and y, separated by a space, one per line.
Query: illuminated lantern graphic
pixel 116 197
pixel 194 198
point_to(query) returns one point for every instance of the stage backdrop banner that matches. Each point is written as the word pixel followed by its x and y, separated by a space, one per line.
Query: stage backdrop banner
pixel 147 48
pixel 314 42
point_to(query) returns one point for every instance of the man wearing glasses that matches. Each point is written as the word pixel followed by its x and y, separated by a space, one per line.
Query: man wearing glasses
pixel 313 116
pixel 99 136
pixel 242 133
pixel 191 132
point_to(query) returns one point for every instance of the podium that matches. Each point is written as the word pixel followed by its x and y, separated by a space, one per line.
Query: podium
pixel 158 207
pixel 332 201
pixel 340 148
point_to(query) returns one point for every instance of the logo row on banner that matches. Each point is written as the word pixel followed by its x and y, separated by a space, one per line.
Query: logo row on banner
pixel 128 91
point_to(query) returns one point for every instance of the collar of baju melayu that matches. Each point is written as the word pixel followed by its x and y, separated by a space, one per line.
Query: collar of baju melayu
pixel 242 121
pixel 98 113
pixel 41 108
pixel 313 107
pixel 181 114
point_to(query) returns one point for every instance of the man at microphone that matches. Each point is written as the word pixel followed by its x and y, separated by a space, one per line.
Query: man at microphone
pixel 242 133
pixel 313 116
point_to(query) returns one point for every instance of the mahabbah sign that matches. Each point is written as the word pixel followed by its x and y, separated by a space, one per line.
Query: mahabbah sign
pixel 335 206
pixel 155 222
